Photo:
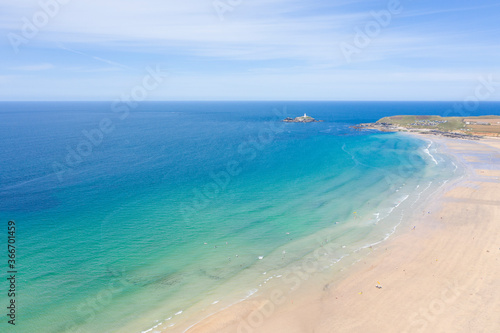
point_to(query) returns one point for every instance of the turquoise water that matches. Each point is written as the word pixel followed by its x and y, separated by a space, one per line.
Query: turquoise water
pixel 175 202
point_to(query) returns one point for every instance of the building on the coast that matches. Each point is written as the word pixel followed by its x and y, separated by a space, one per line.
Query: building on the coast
pixel 477 123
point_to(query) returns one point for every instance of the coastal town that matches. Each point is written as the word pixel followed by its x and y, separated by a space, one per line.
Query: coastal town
pixel 470 128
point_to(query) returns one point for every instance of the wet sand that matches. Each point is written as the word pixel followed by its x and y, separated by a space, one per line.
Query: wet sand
pixel 441 276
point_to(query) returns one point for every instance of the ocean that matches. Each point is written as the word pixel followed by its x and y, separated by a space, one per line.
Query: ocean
pixel 133 216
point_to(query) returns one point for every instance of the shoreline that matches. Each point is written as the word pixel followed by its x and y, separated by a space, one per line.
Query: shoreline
pixel 469 128
pixel 343 295
pixel 348 242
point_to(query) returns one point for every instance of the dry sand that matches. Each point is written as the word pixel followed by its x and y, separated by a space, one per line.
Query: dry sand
pixel 443 276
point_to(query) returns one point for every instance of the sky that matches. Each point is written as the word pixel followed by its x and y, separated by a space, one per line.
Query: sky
pixel 249 49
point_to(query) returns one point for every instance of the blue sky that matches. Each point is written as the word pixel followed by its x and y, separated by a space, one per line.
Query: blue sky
pixel 249 49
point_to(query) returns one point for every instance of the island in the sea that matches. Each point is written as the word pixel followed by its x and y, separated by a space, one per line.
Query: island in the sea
pixel 458 127
pixel 304 119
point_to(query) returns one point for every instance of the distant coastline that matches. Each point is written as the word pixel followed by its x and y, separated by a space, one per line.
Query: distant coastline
pixel 472 128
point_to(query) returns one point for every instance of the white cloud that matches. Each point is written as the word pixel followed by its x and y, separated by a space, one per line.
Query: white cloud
pixel 274 49
pixel 426 12
pixel 254 30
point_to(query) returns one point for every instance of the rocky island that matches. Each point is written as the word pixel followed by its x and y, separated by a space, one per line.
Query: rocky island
pixel 456 127
pixel 304 119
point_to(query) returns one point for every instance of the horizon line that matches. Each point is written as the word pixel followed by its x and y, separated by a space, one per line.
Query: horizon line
pixel 256 101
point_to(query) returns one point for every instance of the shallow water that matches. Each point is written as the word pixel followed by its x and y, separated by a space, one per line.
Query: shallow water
pixel 181 205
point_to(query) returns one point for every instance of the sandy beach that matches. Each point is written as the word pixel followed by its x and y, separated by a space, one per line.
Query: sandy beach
pixel 442 275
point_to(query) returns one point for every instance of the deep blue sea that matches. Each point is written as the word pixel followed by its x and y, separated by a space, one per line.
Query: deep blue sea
pixel 131 216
